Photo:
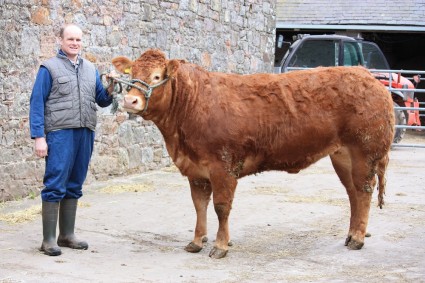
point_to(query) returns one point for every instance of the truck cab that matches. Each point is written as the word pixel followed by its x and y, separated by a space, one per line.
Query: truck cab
pixel 310 51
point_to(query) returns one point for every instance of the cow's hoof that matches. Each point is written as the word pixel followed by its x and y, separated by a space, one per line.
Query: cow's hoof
pixel 353 244
pixel 193 248
pixel 218 253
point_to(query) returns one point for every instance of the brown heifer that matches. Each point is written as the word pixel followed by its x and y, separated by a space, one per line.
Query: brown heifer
pixel 220 127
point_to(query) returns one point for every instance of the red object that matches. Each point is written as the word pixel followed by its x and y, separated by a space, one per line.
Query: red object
pixel 398 81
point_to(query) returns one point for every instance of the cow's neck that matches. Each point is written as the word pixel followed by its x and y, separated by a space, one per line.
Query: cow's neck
pixel 161 112
pixel 181 99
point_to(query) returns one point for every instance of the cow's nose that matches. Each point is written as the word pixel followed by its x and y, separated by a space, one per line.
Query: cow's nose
pixel 130 101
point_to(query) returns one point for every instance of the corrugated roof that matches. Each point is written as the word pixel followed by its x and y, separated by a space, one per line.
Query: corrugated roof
pixel 351 12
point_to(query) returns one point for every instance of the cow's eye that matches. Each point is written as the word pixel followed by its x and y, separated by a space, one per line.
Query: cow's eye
pixel 156 78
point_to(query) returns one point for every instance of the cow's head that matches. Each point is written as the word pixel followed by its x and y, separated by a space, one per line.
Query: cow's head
pixel 150 73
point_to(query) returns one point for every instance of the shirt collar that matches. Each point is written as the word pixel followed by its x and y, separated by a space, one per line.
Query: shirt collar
pixel 76 64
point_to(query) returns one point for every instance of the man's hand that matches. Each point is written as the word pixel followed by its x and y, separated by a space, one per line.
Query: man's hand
pixel 40 147
pixel 109 78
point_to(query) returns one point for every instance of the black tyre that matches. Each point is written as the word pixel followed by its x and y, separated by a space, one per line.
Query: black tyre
pixel 400 119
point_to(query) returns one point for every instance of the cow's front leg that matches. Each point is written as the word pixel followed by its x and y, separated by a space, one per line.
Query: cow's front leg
pixel 201 195
pixel 223 187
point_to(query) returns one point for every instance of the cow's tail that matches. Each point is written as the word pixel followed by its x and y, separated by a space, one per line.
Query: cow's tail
pixel 382 168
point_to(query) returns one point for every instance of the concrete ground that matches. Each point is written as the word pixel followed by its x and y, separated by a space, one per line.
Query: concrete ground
pixel 285 228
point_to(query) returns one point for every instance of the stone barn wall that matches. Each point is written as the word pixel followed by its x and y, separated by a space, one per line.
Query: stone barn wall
pixel 220 35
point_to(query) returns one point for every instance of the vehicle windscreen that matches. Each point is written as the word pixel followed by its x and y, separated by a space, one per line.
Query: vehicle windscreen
pixel 373 56
pixel 315 53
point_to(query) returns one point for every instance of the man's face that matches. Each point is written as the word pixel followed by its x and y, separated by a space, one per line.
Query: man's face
pixel 71 41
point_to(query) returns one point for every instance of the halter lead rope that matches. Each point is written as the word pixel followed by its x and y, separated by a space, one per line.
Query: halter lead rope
pixel 146 92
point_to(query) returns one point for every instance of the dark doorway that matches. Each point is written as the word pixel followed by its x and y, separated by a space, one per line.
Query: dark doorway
pixel 403 50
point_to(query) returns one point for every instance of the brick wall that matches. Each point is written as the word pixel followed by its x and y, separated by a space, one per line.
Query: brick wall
pixel 220 35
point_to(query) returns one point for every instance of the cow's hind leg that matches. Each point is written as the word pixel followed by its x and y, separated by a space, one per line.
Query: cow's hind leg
pixel 358 177
pixel 223 186
pixel 201 195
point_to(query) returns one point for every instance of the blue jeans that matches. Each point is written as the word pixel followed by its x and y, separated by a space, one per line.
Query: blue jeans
pixel 69 152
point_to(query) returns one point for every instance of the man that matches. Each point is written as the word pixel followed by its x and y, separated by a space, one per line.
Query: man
pixel 62 123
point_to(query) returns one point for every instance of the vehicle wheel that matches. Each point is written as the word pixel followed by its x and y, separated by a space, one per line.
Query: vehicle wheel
pixel 400 119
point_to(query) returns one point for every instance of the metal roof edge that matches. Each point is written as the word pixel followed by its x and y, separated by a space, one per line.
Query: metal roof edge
pixel 283 25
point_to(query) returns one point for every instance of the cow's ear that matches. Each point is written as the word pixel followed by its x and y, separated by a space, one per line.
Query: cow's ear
pixel 122 64
pixel 172 67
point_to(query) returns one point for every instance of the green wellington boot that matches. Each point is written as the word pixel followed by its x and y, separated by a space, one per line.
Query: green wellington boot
pixel 49 213
pixel 67 212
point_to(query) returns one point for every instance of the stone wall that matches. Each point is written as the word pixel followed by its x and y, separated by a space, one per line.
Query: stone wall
pixel 220 35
